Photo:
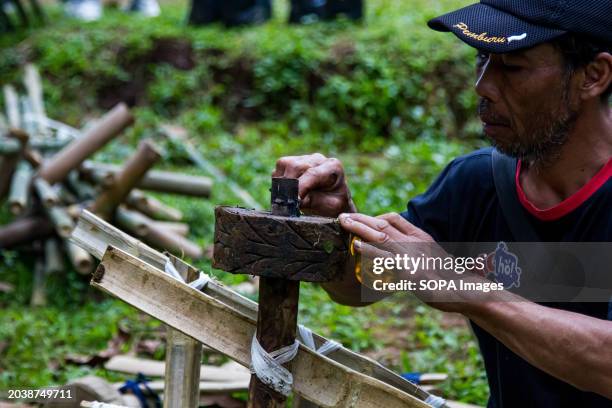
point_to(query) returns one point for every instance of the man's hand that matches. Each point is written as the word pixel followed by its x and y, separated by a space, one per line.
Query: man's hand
pixel 383 229
pixel 323 189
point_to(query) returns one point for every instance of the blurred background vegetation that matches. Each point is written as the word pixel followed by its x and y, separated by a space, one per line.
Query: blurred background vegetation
pixel 390 98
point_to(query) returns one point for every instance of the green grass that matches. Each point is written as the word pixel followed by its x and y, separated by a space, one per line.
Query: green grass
pixel 384 109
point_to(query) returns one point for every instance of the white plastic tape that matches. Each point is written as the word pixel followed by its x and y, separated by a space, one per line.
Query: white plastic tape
pixel 198 284
pixel 307 339
pixel 268 367
pixel 435 401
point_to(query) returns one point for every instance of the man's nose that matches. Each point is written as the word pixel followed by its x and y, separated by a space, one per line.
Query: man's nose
pixel 486 83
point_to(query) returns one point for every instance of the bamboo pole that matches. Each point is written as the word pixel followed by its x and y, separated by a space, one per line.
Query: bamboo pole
pixel 32 157
pixel 39 296
pixel 70 157
pixel 61 220
pixel 162 181
pixel 11 102
pixel 179 228
pixel 182 375
pixel 152 208
pixel 100 177
pixel 133 171
pixel 54 260
pixel 33 85
pixel 83 190
pixel 9 146
pixel 155 235
pixel 80 259
pixel 46 194
pixel 24 230
pixel 19 194
pixel 132 221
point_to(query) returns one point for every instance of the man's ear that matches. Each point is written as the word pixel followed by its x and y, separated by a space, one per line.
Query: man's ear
pixel 597 76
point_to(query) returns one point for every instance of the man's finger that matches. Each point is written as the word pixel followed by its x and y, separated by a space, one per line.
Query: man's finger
pixel 325 176
pixel 405 227
pixel 363 231
pixel 295 166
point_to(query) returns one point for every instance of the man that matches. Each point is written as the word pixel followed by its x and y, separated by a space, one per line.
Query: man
pixel 544 79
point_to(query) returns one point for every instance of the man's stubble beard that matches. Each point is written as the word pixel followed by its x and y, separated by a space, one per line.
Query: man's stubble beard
pixel 540 143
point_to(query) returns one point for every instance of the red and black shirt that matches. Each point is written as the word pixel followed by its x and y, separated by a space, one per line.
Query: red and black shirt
pixel 462 206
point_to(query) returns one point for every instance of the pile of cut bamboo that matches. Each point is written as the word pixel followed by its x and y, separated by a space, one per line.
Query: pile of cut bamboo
pixel 47 178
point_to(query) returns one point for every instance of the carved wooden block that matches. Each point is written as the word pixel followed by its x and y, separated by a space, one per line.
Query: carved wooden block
pixel 313 249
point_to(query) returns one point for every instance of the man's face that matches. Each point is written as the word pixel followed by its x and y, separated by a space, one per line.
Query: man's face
pixel 527 105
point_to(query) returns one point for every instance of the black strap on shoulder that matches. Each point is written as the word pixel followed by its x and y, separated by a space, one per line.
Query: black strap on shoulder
pixel 504 170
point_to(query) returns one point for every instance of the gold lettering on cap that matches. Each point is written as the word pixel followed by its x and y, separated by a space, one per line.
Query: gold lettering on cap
pixel 482 37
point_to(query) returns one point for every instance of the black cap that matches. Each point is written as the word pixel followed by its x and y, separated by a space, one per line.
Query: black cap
pixel 500 26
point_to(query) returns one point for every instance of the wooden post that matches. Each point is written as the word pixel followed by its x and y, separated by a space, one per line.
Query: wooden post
pixel 126 179
pixel 278 302
pixel 70 157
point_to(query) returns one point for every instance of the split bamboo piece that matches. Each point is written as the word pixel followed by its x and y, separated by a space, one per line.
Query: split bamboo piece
pixel 316 378
pixel 126 179
pixel 95 235
pixel 109 126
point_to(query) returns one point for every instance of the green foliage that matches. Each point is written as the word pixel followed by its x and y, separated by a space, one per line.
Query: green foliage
pixel 390 78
